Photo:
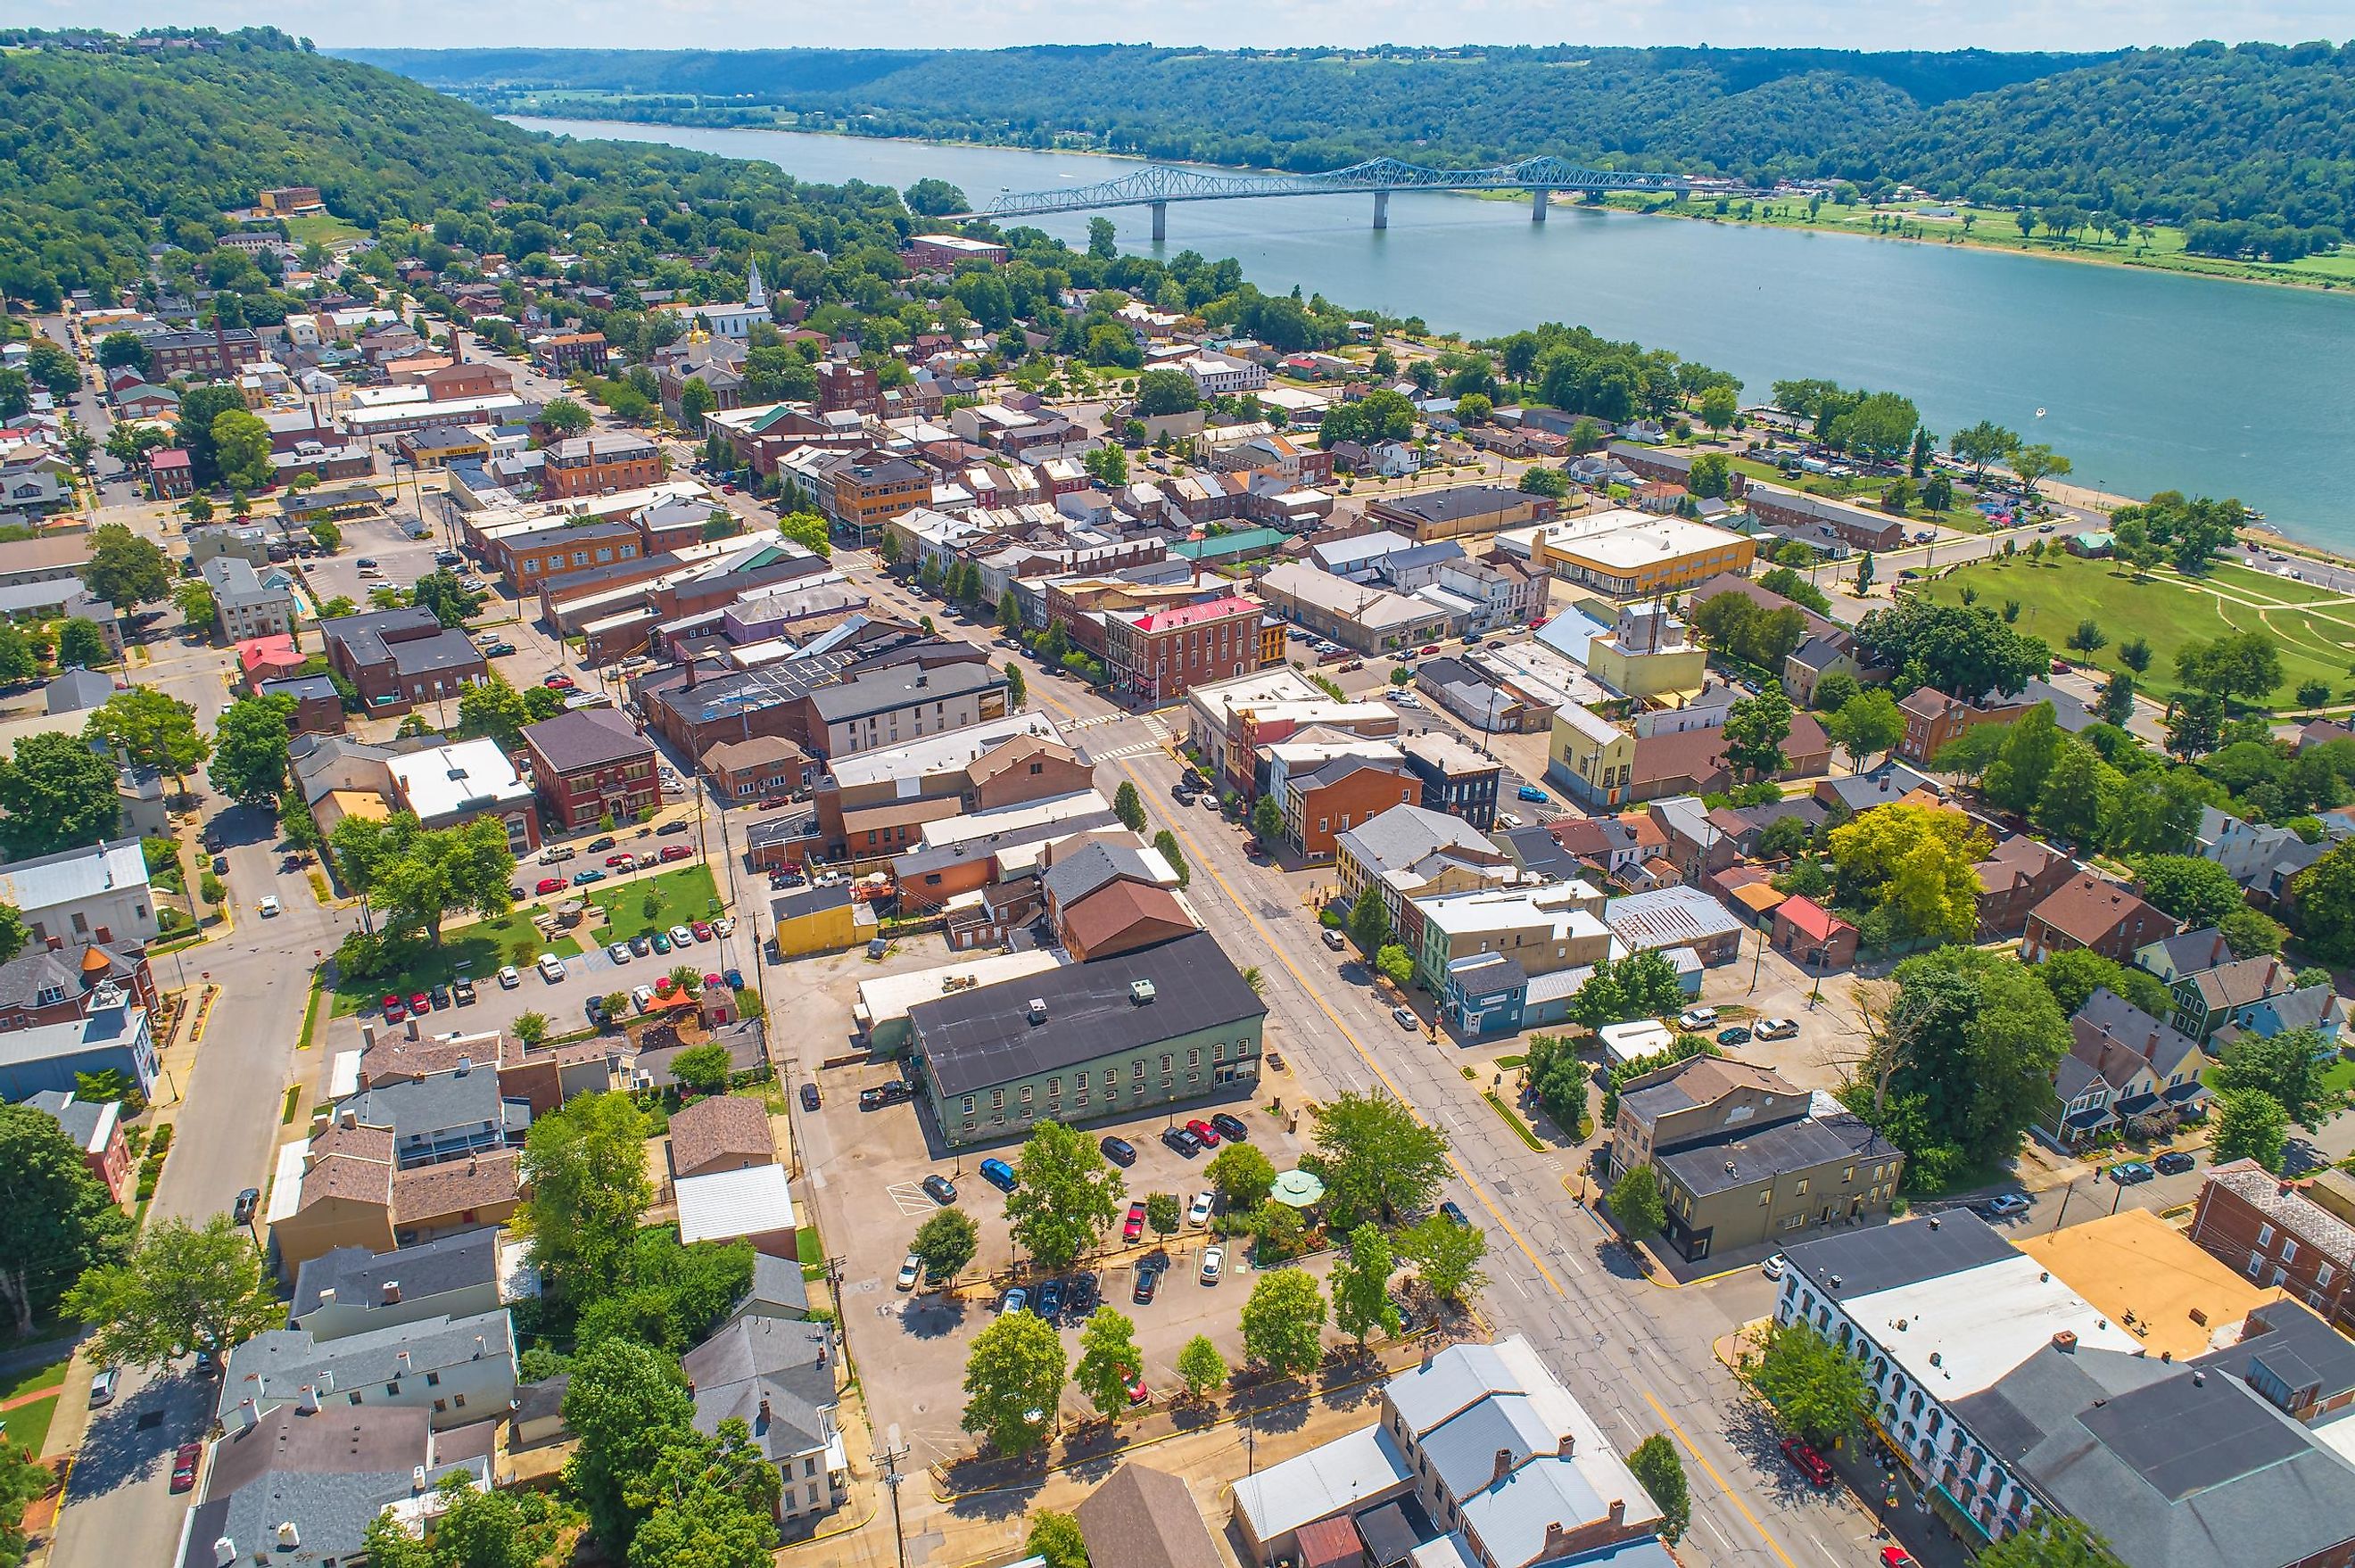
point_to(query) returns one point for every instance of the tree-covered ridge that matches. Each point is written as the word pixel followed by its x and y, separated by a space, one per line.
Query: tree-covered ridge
pixel 2254 132
pixel 104 153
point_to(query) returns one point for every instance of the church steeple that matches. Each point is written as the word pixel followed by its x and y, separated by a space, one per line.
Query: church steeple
pixel 755 295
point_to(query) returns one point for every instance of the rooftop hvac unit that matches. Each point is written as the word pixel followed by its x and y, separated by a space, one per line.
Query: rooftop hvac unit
pixel 1140 991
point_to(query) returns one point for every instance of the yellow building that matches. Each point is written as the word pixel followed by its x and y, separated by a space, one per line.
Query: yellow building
pixel 822 920
pixel 1590 757
pixel 1642 558
pixel 1648 654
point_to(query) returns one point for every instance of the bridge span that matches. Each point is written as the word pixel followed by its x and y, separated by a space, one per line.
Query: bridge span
pixel 1158 184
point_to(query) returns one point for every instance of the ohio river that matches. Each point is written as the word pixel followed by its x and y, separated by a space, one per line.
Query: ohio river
pixel 2147 381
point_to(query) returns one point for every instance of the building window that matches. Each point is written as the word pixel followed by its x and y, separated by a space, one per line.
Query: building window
pixel 967 1107
pixel 2264 1236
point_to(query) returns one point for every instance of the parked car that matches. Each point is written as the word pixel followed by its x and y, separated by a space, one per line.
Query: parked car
pixel 1737 1035
pixel 1204 1131
pixel 940 1188
pixel 1214 1263
pixel 1133 1228
pixel 247 1202
pixel 184 1465
pixel 1453 1211
pixel 1231 1127
pixel 582 879
pixel 557 682
pixel 1773 1267
pixel 508 977
pixel 2004 1206
pixel 102 1386
pixel 1776 1028
pixel 642 997
pixel 998 1174
pixel 1694 1018
pixel 600 844
pixel 1148 1281
pixel 659 941
pixel 2131 1173
pixel 441 995
pixel 622 862
pixel 1137 1394
pixel 464 989
pixel 724 926
pixel 1120 1151
pixel 1183 1140
pixel 1199 1212
pixel 2174 1162
pixel 702 931
pixel 549 885
pixel 1532 794
pixel 1405 1016
pixel 1335 940
pixel 421 1004
pixel 499 650
pixel 395 1009
pixel 911 1269
pixel 1013 1301
pixel 1051 1299
pixel 640 945
pixel 680 936
pixel 810 1097
pixel 618 952
pixel 551 967
pixel 667 829
pixel 675 851
pixel 1084 1295
pixel 1807 1462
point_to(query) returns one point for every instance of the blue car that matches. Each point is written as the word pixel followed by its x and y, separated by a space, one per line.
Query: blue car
pixel 735 978
pixel 998 1174
pixel 1531 793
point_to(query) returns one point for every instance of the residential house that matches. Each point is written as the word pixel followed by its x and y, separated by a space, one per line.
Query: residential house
pixel 57 984
pixel 441 1116
pixel 456 1370
pixel 780 1377
pixel 761 766
pixel 98 893
pixel 2260 857
pixel 2019 873
pixel 1809 934
pixel 1745 1159
pixel 111 1036
pixel 2088 911
pixel 2276 1231
pixel 94 1127
pixel 2230 993
pixel 244 605
pixel 591 764
pixel 352 1290
pixel 1933 719
pixel 1146 1519
pixel 1455 778
pixel 446 786
pixel 2122 1064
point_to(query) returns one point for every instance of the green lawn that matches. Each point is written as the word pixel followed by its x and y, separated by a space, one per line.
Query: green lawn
pixel 323 227
pixel 2163 611
pixel 27 1426
pixel 51 1376
pixel 685 895
pixel 481 947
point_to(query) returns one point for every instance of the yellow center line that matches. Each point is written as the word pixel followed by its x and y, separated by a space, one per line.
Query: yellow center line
pixel 1731 1496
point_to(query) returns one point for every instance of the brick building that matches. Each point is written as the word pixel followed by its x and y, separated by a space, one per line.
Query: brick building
pixel 1933 719
pixel 2088 912
pixel 203 356
pixel 397 658
pixel 608 461
pixel 871 489
pixel 845 387
pixel 590 764
pixel 1163 653
pixel 561 353
pixel 2276 1232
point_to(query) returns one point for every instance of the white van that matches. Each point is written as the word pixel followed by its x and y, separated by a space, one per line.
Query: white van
pixel 555 853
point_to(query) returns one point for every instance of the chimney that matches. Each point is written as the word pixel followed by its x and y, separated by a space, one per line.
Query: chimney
pixel 367 1037
pixel 224 1551
pixel 764 1409
pixel 392 1297
pixel 2065 1341
pixel 349 1120
pixel 308 1403
pixel 327 1296
pixel 1567 1447
pixel 402 1357
pixel 1557 1540
pixel 289 1538
pixel 1504 1465
pixel 413 1033
pixel 466 1066
pixel 1618 1513
pixel 244 1416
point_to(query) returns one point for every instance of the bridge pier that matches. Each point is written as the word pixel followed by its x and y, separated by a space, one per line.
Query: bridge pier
pixel 1382 209
pixel 1540 198
pixel 1161 221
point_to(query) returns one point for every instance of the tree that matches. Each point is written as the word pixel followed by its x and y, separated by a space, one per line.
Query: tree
pixel 2250 1124
pixel 2288 1068
pixel 2117 701
pixel 2239 664
pixel 56 794
pixel 1361 1287
pixel 702 1069
pixel 1284 1323
pixel 1267 820
pixel 125 570
pixel 1067 1195
pixel 242 449
pixel 1014 1381
pixel 251 750
pixel 2035 463
pixel 1108 1360
pixel 2052 1541
pixel 946 1242
pixel 1867 723
pixel 1542 481
pixel 2089 637
pixel 1129 806
pixel 1710 476
pixel 565 416
pixel 194 600
pixel 1636 1204
pixel 1056 1538
pixel 1657 1464
pixel 1817 1388
pixel 117 349
pixel 58 1219
pixel 2194 725
pixel 1279 1228
pixel 183 1290
pixel 1162 1213
pixel 1756 728
pixel 1200 1367
pixel 2074 977
pixel 147 729
pixel 1017 686
pixel 80 643
pixel 1166 842
pixel 629 1405
pixel 2248 931
pixel 1164 392
pixel 1242 1176
pixel 1446 1255
pixel 584 1168
pixel 451 604
pixel 495 708
pixel 694 401
pixel 1392 962
pixel 2031 744
pixel 1982 446
pixel 1912 865
pixel 1960 650
pixel 2194 890
pixel 1560 1079
pixel 1376 1161
pixel 193 432
pixel 418 877
pixel 1369 922
pixel 808 530
pixel 2071 806
pixel 1719 405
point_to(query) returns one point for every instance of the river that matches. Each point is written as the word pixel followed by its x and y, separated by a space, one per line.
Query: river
pixel 2147 381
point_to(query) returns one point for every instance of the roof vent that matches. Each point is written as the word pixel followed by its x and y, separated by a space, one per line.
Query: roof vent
pixel 1933 1222
pixel 289 1537
pixel 1937 1360
pixel 1140 991
pixel 2199 1380
pixel 417 1479
pixel 1038 1009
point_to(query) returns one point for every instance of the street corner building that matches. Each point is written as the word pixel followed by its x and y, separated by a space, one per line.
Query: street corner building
pixel 1126 1034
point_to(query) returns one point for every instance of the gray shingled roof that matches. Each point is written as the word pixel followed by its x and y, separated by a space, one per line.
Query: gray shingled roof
pixel 1887 1256
pixel 754 1358
pixel 1801 1144
pixel 273 1366
pixel 429 1268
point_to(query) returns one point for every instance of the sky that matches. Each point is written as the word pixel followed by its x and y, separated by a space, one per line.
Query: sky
pixel 1224 23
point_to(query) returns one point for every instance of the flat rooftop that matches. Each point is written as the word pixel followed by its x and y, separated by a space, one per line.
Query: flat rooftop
pixel 2143 1273
pixel 1964 1330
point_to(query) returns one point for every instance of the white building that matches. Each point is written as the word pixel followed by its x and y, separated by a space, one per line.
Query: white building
pixel 1221 375
pixel 449 784
pixel 99 892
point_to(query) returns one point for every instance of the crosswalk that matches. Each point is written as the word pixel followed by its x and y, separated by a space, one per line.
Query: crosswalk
pixel 1134 748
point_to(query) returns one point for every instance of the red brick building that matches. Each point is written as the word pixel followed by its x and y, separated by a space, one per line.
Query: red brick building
pixel 1346 793
pixel 168 471
pixel 2088 912
pixel 464 379
pixel 2268 1230
pixel 1810 935
pixel 1159 655
pixel 594 465
pixel 1933 719
pixel 560 353
pixel 854 388
pixel 55 985
pixel 590 762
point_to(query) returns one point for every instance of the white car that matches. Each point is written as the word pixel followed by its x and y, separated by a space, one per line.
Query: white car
pixel 1214 1263
pixel 551 967
pixel 508 978
pixel 1697 1018
pixel 1199 1214
pixel 1405 698
pixel 1773 1267
pixel 618 952
pixel 270 906
pixel 911 1269
pixel 1775 1028
pixel 644 996
pixel 682 936
pixel 724 926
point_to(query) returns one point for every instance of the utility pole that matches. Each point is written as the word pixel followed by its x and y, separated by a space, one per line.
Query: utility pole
pixel 891 1456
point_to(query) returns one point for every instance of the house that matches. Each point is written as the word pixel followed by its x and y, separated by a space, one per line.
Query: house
pixel 561 353
pixel 750 1203
pixel 1161 1025
pixel 1808 933
pixel 2232 992
pixel 2251 852
pixel 446 786
pixel 814 919
pixel 759 766
pixel 440 1116
pixel 2122 1064
pixel 1490 1446
pixel 2277 1232
pixel 780 1377
pixel 271 657
pixel 397 658
pixel 340 1188
pixel 244 605
pixel 351 1290
pixel 456 1370
pixel 2019 873
pixel 51 985
pixel 1933 719
pixel 169 471
pixel 1743 1159
pixel 319 706
pixel 720 1132
pixel 1455 778
pixel 1144 1518
pixel 1675 917
pixel 589 765
pixel 2088 911
pixel 1409 852
pixel 96 892
pixel 94 1127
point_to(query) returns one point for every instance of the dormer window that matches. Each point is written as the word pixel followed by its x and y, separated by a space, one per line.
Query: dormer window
pixel 50 997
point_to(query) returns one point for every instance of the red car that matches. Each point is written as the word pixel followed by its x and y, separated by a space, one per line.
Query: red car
pixel 395 1009
pixel 1897 1557
pixel 677 852
pixel 771 802
pixel 1429 649
pixel 184 1465
pixel 1132 1228
pixel 624 859
pixel 1137 1394
pixel 557 682
pixel 1204 1131
pixel 1807 1462
pixel 421 1004
pixel 702 931
pixel 549 885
